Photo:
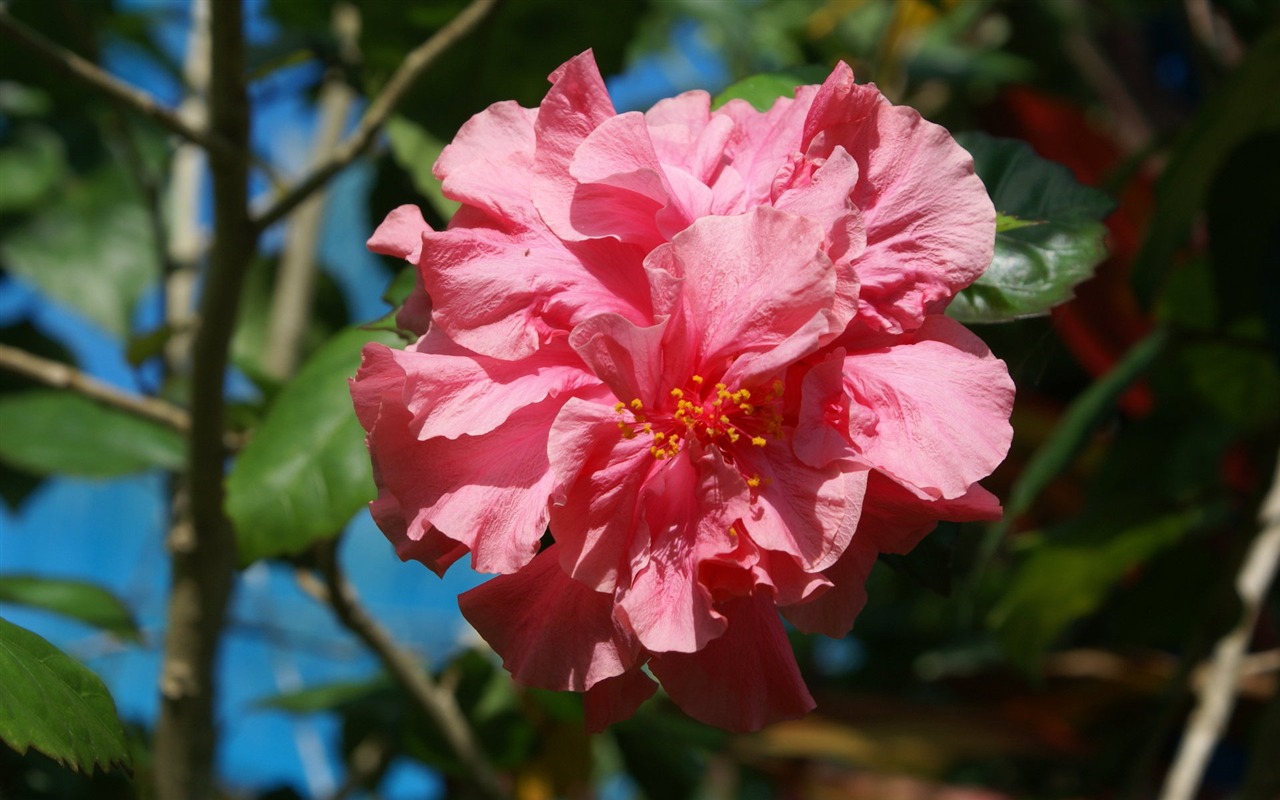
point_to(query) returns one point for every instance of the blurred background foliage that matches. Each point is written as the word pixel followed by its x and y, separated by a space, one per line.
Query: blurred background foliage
pixel 1052 655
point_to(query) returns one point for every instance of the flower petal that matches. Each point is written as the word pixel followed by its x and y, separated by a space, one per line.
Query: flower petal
pixel 743 680
pixel 615 699
pixel 930 225
pixel 489 163
pixel 400 234
pixel 552 632
pixel 941 402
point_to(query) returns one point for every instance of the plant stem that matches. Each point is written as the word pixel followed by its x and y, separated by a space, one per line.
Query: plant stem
pixel 1218 694
pixel 437 703
pixel 414 65
pixel 204 561
pixel 103 82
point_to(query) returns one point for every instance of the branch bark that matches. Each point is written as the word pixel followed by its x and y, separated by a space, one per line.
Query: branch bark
pixel 57 375
pixel 437 703
pixel 204 559
pixel 1218 694
pixel 414 65
pixel 102 81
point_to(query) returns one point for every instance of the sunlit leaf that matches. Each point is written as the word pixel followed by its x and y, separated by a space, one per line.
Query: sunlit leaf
pixel 79 600
pixel 49 431
pixel 54 704
pixel 1055 243
pixel 416 151
pixel 305 472
pixel 30 168
pixel 759 90
pixel 91 248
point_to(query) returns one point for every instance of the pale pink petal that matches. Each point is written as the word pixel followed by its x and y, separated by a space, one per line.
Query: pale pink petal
pixel 629 359
pixel 687 506
pixel 489 163
pixel 501 294
pixel 615 699
pixel 822 433
pixel 930 225
pixel 743 680
pixel 400 234
pixel 452 391
pixel 576 105
pixel 599 474
pixel 750 282
pixel 942 405
pixel 764 141
pixel 551 631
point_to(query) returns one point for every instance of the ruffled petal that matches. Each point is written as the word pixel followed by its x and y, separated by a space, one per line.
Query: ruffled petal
pixel 615 699
pixel 400 234
pixel 832 613
pixel 551 631
pixel 453 391
pixel 599 474
pixel 930 225
pixel 687 506
pixel 489 163
pixel 493 494
pixel 743 680
pixel 941 402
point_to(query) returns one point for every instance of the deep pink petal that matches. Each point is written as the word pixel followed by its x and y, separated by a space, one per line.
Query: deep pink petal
pixel 615 699
pixel 688 506
pixel 552 632
pixel 743 680
pixel 941 402
pixel 599 475
pixel 807 512
pixel 832 613
pixel 452 391
pixel 629 359
pixel 489 163
pixel 488 492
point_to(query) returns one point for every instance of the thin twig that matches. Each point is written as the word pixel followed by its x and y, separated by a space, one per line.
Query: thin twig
pixel 414 64
pixel 102 81
pixel 204 560
pixel 1218 695
pixel 57 375
pixel 438 704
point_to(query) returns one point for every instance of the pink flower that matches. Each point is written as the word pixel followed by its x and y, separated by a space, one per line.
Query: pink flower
pixel 707 349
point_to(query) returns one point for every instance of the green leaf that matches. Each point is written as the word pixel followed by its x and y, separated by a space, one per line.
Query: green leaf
pixel 759 90
pixel 79 600
pixel 1036 264
pixel 416 151
pixel 49 431
pixel 30 168
pixel 1233 113
pixel 326 697
pixel 305 472
pixel 53 703
pixel 92 249
pixel 931 562
pixel 1069 576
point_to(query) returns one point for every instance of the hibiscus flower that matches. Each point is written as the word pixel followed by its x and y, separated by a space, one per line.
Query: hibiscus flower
pixel 708 350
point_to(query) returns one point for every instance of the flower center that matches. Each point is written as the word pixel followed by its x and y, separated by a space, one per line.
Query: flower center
pixel 712 414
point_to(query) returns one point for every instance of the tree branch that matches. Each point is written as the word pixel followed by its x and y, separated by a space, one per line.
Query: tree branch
pixel 438 704
pixel 414 64
pixel 204 557
pixel 57 375
pixel 102 81
pixel 1218 694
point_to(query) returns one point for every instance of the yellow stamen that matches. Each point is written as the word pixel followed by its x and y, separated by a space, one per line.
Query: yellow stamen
pixel 636 404
pixel 758 441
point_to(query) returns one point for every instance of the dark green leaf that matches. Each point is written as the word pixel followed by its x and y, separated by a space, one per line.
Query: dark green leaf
pixel 327 697
pixel 79 600
pixel 92 249
pixel 305 472
pixel 1056 243
pixel 1069 575
pixel 930 563
pixel 664 753
pixel 148 345
pixel 53 703
pixel 30 168
pixel 416 151
pixel 48 431
pixel 1236 111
